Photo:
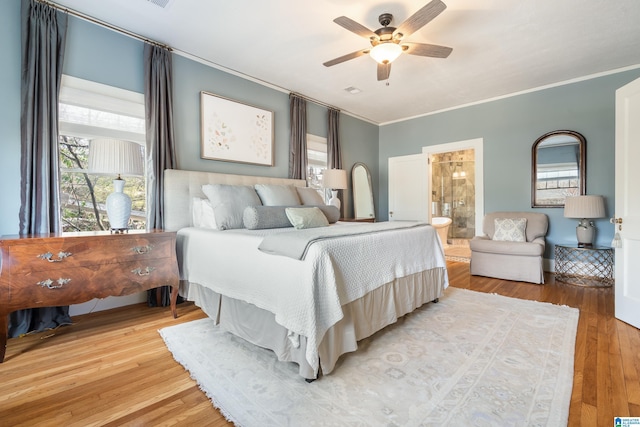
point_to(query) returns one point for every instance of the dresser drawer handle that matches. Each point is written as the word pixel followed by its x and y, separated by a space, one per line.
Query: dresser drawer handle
pixel 50 283
pixel 143 272
pixel 142 249
pixel 49 256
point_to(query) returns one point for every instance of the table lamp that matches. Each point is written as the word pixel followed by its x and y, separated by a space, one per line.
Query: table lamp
pixel 116 157
pixel 334 179
pixel 585 208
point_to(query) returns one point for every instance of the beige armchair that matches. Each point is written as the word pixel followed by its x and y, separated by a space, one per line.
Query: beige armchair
pixel 519 261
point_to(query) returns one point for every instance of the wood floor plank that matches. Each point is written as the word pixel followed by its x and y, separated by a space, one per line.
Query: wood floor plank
pixel 113 369
pixel 629 354
pixel 604 390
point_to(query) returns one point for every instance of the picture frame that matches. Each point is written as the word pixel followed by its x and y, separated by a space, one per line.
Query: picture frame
pixel 233 131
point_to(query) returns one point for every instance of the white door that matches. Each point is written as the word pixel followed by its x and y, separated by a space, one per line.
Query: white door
pixel 627 269
pixel 409 188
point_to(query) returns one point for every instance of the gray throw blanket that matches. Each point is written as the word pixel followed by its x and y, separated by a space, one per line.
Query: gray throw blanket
pixel 295 244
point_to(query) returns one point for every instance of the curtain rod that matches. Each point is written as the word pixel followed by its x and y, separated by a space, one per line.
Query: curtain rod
pixel 104 24
pixel 153 42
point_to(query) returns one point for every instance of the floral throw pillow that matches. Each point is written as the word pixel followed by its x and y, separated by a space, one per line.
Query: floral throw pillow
pixel 510 229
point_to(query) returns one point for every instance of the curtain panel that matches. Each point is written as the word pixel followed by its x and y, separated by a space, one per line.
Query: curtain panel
pixel 44 32
pixel 158 100
pixel 298 139
pixel 334 154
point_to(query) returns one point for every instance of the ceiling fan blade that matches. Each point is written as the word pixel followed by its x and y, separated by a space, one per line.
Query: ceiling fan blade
pixel 354 27
pixel 421 18
pixel 423 49
pixel 383 71
pixel 346 57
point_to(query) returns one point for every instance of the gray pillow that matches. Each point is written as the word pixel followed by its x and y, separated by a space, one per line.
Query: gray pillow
pixel 229 202
pixel 277 195
pixel 260 217
pixel 309 196
pixel 331 212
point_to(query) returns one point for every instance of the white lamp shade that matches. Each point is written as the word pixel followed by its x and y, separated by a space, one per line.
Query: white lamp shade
pixel 385 53
pixel 335 179
pixel 115 157
pixel 584 207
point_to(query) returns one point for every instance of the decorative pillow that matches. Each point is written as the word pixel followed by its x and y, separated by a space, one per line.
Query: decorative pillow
pixel 229 202
pixel 510 229
pixel 202 213
pixel 277 195
pixel 331 212
pixel 309 196
pixel 259 217
pixel 306 217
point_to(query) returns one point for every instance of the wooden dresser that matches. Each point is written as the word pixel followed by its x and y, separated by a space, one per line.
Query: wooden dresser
pixel 53 270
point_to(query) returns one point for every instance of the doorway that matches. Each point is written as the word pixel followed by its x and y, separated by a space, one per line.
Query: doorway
pixel 453 191
pixel 456 196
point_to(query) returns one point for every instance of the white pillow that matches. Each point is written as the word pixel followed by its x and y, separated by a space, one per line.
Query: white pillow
pixel 510 229
pixel 277 195
pixel 309 196
pixel 306 217
pixel 229 202
pixel 202 213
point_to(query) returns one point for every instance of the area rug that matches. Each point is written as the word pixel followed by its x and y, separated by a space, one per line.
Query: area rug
pixel 472 359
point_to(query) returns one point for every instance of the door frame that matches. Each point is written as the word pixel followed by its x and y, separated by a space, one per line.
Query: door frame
pixel 475 144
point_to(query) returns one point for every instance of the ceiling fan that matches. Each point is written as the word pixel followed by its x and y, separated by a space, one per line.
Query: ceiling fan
pixel 387 43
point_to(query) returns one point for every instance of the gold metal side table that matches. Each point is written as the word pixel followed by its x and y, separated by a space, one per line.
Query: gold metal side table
pixel 585 266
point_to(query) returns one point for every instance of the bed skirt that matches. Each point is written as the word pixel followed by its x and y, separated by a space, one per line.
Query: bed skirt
pixel 258 326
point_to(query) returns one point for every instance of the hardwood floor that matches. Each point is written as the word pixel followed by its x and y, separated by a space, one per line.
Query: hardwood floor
pixel 112 368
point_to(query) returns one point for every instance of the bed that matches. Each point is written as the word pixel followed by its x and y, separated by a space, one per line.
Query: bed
pixel 350 282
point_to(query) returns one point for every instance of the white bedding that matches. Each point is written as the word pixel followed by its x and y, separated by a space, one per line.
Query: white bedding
pixel 305 296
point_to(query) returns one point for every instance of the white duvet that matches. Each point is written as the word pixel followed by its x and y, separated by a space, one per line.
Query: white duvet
pixel 305 296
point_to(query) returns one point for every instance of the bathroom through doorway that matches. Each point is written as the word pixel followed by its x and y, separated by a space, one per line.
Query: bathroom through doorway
pixel 456 198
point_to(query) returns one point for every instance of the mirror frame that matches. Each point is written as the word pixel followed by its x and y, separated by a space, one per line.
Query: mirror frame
pixel 582 165
pixel 355 191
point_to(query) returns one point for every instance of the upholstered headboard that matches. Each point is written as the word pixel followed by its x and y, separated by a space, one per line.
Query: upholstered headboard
pixel 181 186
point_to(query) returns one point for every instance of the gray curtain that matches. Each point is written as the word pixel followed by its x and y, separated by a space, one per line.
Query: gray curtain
pixel 43 40
pixel 298 142
pixel 158 100
pixel 334 155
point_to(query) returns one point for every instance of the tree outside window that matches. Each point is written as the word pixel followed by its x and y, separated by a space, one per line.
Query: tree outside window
pixel 83 194
pixel 88 111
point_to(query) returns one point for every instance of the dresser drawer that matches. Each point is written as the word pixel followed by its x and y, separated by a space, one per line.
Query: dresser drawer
pixel 79 252
pixel 79 284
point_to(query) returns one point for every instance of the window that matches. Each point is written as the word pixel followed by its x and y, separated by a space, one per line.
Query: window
pixel 316 161
pixel 90 111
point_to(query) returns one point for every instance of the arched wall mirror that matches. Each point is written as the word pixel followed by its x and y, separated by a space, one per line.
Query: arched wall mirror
pixel 558 168
pixel 362 192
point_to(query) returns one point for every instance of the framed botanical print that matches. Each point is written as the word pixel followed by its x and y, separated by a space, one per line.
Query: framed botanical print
pixel 235 132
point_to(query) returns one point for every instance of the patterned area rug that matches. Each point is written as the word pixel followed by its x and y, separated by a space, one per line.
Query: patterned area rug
pixel 472 359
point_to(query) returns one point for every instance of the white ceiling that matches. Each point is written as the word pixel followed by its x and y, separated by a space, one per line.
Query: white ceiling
pixel 500 47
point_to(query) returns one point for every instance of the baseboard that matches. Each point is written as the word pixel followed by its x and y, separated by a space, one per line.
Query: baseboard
pixel 549 265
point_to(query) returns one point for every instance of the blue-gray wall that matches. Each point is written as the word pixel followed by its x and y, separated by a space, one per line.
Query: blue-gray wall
pixel 97 54
pixel 509 127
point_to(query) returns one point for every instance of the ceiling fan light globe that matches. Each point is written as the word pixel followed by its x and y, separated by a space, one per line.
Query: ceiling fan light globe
pixel 385 53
